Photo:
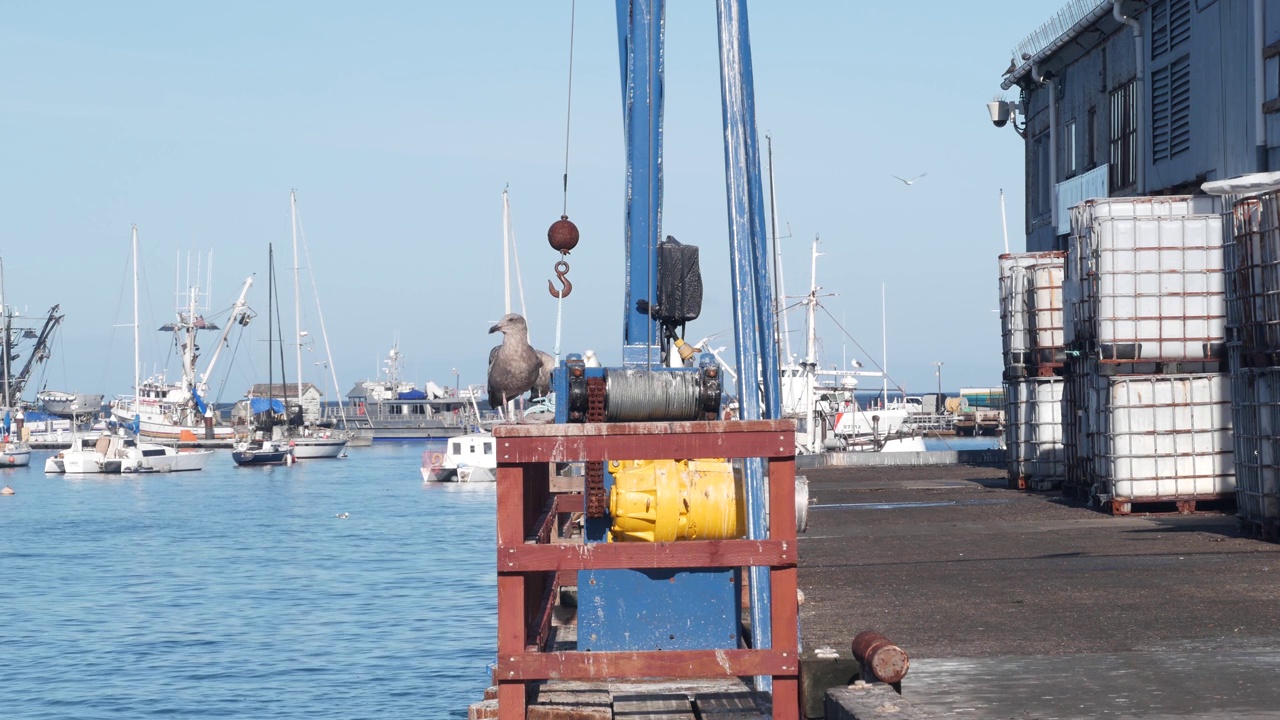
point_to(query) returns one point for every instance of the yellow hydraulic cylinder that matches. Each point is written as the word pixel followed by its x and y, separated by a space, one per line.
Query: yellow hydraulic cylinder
pixel 667 500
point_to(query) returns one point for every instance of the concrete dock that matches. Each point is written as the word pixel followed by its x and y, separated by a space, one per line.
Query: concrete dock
pixel 1025 605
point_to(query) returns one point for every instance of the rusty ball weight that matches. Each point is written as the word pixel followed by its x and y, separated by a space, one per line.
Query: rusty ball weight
pixel 563 235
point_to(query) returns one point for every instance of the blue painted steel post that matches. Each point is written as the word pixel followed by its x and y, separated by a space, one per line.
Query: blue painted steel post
pixel 641 32
pixel 757 357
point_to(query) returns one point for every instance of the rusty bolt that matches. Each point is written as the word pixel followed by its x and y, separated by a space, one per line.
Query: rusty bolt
pixel 887 662
pixel 563 235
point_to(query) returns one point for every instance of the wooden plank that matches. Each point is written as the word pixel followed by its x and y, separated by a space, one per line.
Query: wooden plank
pixel 647 556
pixel 652 706
pixel 511 591
pixel 737 705
pixel 654 664
pixel 644 441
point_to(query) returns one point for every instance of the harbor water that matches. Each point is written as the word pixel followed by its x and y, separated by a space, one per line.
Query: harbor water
pixel 331 589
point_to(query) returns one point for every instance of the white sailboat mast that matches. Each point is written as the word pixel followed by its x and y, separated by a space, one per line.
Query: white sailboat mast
pixel 884 348
pixel 297 303
pixel 4 307
pixel 780 290
pixel 811 340
pixel 137 347
pixel 506 253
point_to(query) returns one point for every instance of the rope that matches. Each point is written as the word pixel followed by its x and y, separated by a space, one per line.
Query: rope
pixel 568 115
pixel 559 318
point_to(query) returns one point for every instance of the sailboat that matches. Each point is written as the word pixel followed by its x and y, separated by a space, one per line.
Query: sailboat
pixel 310 442
pixel 266 444
pixel 15 452
pixel 167 410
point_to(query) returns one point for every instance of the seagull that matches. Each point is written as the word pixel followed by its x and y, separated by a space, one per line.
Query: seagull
pixel 589 359
pixel 513 365
pixel 542 387
pixel 912 181
pixel 1013 65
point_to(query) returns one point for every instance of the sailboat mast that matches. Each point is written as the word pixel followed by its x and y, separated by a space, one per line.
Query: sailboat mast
pixel 506 252
pixel 4 307
pixel 884 349
pixel 813 304
pixel 271 294
pixel 137 347
pixel 779 282
pixel 297 304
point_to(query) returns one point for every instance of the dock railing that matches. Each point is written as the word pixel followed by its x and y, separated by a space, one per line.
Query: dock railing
pixel 530 566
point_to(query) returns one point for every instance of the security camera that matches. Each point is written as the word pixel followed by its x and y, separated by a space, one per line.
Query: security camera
pixel 999 110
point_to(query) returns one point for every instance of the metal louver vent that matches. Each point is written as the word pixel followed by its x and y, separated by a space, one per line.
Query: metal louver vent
pixel 1170 26
pixel 1171 109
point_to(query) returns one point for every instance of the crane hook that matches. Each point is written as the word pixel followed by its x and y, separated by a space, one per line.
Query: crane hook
pixel 562 269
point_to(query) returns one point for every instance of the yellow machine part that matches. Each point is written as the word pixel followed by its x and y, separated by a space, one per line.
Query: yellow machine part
pixel 668 500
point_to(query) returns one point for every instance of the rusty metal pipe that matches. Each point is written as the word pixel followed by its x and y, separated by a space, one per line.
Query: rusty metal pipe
pixel 879 657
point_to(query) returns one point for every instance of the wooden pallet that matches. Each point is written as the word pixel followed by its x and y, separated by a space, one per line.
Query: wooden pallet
pixel 665 700
pixel 1171 506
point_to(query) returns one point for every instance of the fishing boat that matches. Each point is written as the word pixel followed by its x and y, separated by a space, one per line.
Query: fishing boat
pixel 825 405
pixel 467 458
pixel 177 410
pixel 266 444
pixel 116 453
pixel 14 452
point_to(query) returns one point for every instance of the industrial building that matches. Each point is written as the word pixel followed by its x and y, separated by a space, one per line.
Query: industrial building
pixel 1122 98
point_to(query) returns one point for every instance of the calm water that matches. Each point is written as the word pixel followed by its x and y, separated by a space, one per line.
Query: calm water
pixel 237 592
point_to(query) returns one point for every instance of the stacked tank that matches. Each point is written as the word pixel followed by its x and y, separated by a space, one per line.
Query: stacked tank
pixel 1147 401
pixel 1032 340
pixel 1253 321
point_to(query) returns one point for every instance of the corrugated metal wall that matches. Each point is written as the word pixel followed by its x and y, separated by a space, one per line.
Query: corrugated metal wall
pixel 1221 105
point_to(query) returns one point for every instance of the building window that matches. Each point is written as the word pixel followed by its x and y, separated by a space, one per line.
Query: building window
pixel 1171 109
pixel 1039 180
pixel 1124 135
pixel 1170 26
pixel 1069 148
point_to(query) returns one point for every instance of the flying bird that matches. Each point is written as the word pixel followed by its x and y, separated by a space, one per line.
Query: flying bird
pixel 1013 65
pixel 911 181
pixel 513 365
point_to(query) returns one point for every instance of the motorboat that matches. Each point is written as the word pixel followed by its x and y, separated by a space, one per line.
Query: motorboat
pixel 14 453
pixel 466 458
pixel 114 453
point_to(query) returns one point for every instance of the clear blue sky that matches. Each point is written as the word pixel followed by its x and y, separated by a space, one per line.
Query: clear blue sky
pixel 399 124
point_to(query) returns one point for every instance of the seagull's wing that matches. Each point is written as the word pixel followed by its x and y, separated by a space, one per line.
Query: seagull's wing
pixel 895 177
pixel 918 177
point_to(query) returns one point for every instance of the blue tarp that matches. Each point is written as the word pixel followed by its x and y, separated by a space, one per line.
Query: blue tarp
pixel 199 402
pixel 413 395
pixel 261 405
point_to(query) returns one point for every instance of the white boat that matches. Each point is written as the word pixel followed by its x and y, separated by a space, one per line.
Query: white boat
pixel 167 410
pixel 116 454
pixel 310 442
pixel 15 453
pixel 825 406
pixel 467 458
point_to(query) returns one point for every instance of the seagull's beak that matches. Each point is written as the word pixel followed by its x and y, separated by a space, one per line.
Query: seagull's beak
pixel 495 328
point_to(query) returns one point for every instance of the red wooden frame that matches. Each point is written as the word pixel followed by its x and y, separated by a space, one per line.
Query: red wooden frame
pixel 528 566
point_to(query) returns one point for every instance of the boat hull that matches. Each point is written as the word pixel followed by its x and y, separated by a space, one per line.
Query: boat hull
pixel 15 455
pixel 318 448
pixel 461 475
pixel 245 457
